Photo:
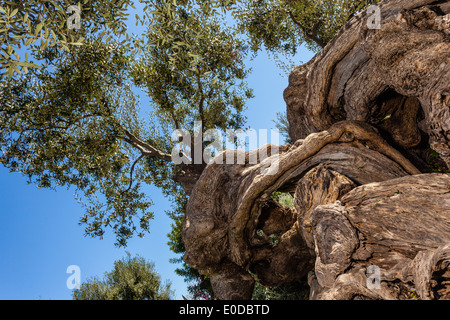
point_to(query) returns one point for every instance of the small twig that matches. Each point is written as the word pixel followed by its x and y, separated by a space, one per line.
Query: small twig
pixel 145 148
pixel 131 174
pixel 309 33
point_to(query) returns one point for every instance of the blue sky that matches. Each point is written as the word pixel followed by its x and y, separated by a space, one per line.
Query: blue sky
pixel 39 232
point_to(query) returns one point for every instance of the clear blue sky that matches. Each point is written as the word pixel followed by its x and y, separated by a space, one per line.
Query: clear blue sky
pixel 39 232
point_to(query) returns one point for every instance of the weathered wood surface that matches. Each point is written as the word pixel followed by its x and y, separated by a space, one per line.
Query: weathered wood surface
pixel 401 226
pixel 365 113
pixel 227 205
pixel 401 70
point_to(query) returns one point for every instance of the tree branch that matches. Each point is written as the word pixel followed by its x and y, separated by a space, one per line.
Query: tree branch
pixel 312 34
pixel 202 101
pixel 145 148
pixel 131 174
pixel 177 124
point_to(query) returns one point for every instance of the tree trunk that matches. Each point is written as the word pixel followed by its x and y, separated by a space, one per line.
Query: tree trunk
pixel 370 115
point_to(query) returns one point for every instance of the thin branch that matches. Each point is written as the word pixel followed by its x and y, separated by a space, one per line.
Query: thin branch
pixel 131 174
pixel 175 120
pixel 202 100
pixel 312 34
pixel 145 148
pixel 42 126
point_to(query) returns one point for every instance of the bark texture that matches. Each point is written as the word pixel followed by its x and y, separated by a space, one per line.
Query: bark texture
pixel 370 115
pixel 396 78
pixel 401 226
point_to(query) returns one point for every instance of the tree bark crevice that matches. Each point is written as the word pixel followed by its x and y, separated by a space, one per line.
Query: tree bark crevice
pixel 346 79
pixel 370 115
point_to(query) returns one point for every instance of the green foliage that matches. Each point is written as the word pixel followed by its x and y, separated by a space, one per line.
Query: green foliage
pixel 62 126
pixel 76 122
pixel 283 198
pixel 193 68
pixel 435 163
pixel 131 279
pixel 283 26
pixel 201 288
pixel 282 124
pixel 293 291
pixel 38 24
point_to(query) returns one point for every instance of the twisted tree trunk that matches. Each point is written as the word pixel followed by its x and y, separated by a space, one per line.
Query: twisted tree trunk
pixel 370 115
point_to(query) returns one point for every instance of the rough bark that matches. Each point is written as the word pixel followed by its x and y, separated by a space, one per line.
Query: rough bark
pixel 366 114
pixel 401 226
pixel 401 70
pixel 229 202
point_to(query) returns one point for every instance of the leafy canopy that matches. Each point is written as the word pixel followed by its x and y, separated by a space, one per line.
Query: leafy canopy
pixel 132 278
pixel 37 24
pixel 77 123
pixel 282 26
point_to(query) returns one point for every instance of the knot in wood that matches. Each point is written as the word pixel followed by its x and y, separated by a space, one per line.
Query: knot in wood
pixel 347 136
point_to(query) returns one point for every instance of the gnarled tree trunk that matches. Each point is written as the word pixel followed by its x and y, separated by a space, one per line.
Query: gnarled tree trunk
pixel 370 115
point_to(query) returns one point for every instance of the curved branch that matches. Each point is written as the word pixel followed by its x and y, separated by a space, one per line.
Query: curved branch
pixel 131 174
pixel 312 34
pixel 145 148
